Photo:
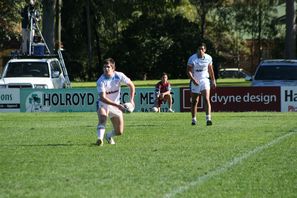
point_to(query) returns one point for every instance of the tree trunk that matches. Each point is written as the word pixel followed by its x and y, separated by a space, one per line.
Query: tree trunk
pixel 260 31
pixel 90 56
pixel 48 23
pixel 58 43
pixel 290 42
pixel 203 19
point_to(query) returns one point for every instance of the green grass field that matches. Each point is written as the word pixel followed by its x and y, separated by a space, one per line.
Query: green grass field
pixel 250 154
pixel 174 82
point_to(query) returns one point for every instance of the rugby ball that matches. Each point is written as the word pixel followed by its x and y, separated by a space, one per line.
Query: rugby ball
pixel 155 109
pixel 129 107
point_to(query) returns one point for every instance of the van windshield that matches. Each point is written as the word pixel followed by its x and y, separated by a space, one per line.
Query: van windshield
pixel 27 69
pixel 276 72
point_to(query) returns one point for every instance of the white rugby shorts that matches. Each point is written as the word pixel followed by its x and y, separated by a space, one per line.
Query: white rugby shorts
pixel 111 110
pixel 204 84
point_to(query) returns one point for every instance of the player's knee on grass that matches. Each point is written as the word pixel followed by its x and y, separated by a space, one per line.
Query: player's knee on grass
pixel 118 125
pixel 118 132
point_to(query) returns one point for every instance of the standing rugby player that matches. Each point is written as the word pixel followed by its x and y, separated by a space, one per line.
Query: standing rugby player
pixel 199 70
pixel 108 104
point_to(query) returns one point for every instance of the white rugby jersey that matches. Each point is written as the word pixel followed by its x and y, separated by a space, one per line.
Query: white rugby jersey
pixel 112 86
pixel 200 65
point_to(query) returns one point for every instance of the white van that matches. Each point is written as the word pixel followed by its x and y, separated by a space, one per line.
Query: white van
pixel 34 73
pixel 276 72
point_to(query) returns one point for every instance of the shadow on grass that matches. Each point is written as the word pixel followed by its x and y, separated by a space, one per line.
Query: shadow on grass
pixel 47 145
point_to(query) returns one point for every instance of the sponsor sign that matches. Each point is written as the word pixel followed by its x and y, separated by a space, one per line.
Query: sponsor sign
pixel 9 100
pixel 289 99
pixel 58 100
pixel 185 98
pixel 238 99
pixel 84 100
pixel 145 98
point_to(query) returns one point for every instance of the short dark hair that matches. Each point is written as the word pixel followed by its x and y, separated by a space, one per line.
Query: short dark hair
pixel 164 73
pixel 109 60
pixel 202 45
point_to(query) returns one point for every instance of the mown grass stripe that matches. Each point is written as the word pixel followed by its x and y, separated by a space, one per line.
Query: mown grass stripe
pixel 221 169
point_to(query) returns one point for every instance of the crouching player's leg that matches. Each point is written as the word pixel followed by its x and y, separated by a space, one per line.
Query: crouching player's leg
pixel 117 120
pixel 102 113
pixel 102 117
pixel 157 104
pixel 168 99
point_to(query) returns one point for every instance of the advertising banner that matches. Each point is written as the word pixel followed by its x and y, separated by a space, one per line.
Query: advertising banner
pixel 289 99
pixel 145 97
pixel 84 100
pixel 58 100
pixel 238 99
pixel 9 100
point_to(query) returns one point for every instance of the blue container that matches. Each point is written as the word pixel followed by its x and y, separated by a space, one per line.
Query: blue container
pixel 38 49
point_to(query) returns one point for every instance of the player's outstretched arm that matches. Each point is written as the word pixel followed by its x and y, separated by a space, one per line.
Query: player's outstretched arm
pixel 132 91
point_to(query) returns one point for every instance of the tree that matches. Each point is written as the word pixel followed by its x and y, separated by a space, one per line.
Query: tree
pixel 203 8
pixel 290 41
pixel 58 42
pixel 48 23
pixel 254 20
pixel 146 37
pixel 9 20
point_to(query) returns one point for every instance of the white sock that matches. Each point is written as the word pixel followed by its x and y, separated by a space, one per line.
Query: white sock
pixel 111 133
pixel 208 117
pixel 194 119
pixel 100 131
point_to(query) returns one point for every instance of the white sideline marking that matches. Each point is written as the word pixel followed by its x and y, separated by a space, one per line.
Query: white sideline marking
pixel 219 170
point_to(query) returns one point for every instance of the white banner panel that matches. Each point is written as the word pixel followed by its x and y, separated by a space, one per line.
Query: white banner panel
pixel 289 99
pixel 9 100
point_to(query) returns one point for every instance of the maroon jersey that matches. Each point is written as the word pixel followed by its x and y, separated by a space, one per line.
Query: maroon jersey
pixel 162 87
